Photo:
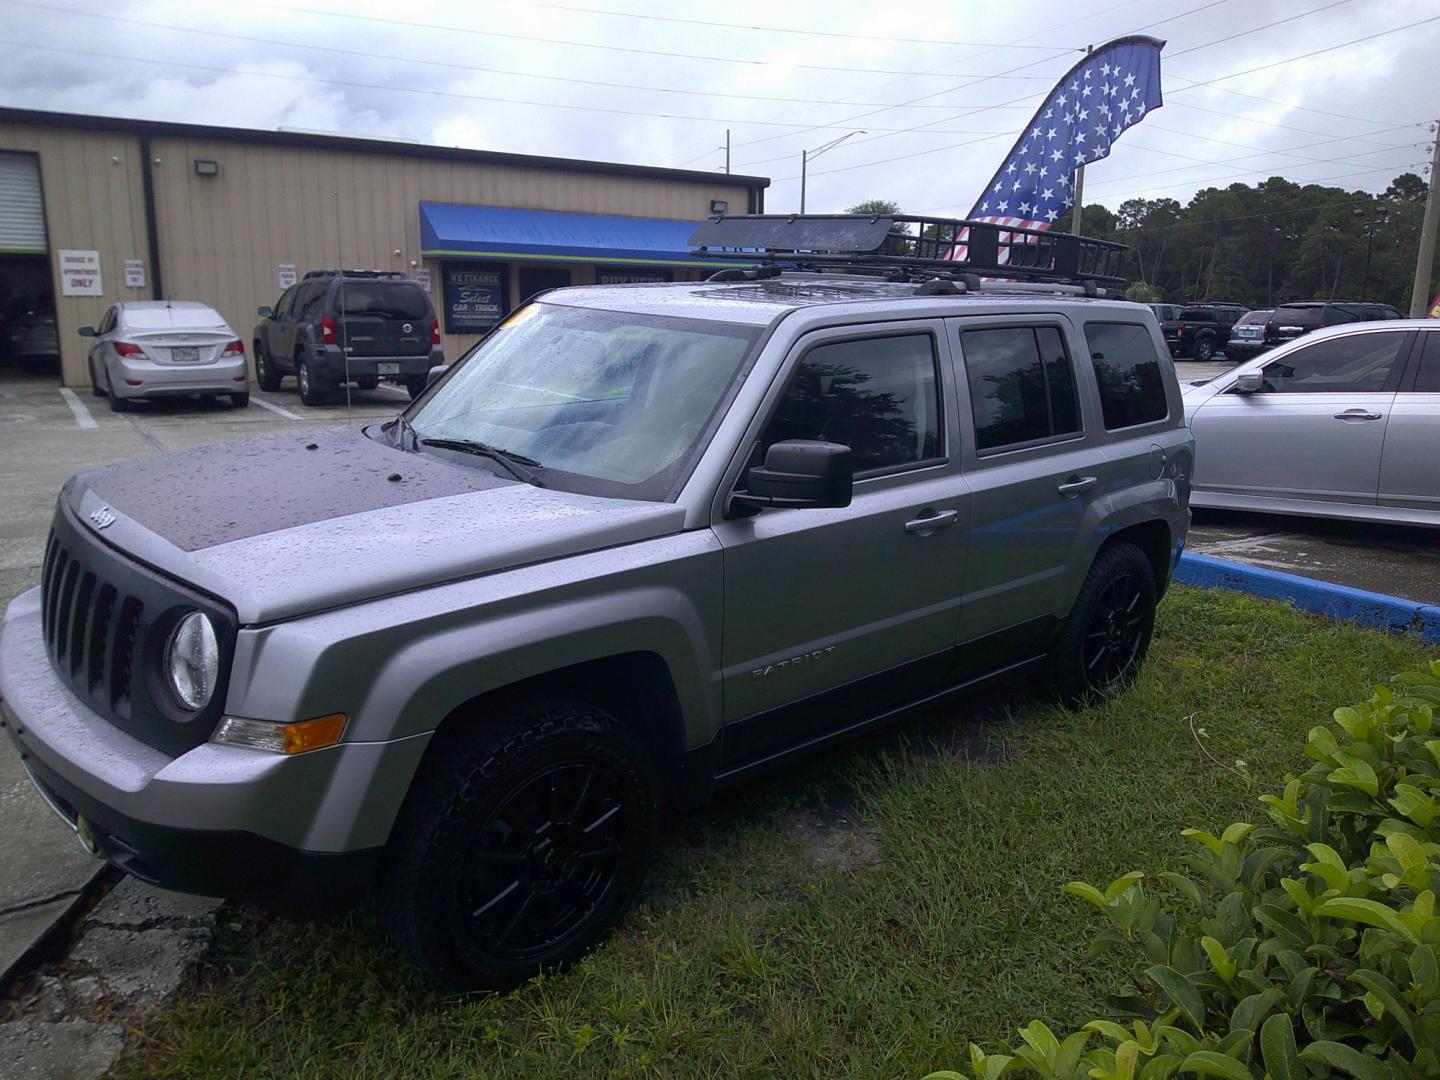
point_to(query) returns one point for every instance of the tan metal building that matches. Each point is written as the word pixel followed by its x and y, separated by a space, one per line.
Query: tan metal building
pixel 94 210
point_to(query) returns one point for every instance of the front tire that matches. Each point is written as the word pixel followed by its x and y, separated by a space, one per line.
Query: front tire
pixel 1105 638
pixel 519 846
pixel 95 390
pixel 265 373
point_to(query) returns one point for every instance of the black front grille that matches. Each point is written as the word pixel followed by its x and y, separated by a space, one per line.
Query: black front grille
pixel 106 621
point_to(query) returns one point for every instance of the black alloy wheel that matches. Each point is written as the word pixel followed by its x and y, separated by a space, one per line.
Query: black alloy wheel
pixel 544 861
pixel 1113 639
pixel 524 838
pixel 1103 641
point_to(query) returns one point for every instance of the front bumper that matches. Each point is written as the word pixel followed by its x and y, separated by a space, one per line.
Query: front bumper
pixel 162 380
pixel 290 833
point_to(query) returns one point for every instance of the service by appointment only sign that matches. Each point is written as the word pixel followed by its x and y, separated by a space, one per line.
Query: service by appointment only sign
pixel 80 273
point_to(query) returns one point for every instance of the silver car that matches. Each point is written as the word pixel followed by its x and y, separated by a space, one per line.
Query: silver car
pixel 1342 423
pixel 166 348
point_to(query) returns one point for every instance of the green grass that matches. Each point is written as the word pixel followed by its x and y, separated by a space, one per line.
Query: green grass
pixel 753 957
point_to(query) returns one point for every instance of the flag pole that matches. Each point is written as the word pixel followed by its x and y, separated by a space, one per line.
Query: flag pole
pixel 1079 181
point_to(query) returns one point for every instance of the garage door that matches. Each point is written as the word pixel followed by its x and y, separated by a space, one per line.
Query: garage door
pixel 22 209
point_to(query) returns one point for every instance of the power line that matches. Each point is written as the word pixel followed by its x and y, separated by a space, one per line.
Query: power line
pixel 212 69
pixel 1288 151
pixel 1257 172
pixel 788 30
pixel 410 24
pixel 1275 124
pixel 458 67
pixel 1187 168
pixel 1306 56
pixel 1257 29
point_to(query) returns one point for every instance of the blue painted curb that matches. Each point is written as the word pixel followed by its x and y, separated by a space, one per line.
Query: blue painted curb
pixel 1322 597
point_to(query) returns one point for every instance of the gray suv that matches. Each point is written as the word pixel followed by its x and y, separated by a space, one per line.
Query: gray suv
pixel 641 543
pixel 340 326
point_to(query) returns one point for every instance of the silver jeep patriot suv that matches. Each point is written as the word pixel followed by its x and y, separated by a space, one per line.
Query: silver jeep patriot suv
pixel 640 543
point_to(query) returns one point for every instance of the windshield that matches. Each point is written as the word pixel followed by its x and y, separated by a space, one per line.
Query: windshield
pixel 607 402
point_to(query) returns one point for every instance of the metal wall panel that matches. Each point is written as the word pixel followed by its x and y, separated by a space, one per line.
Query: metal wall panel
pixel 93 202
pixel 223 237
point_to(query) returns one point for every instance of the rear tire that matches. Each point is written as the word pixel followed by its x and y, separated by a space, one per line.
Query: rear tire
pixel 1205 350
pixel 118 403
pixel 367 384
pixel 519 845
pixel 265 373
pixel 240 401
pixel 310 392
pixel 416 386
pixel 1104 639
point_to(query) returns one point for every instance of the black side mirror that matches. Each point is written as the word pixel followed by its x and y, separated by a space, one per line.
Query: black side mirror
pixel 87 331
pixel 435 373
pixel 800 474
pixel 263 312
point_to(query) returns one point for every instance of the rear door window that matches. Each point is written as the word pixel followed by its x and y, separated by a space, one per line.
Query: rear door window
pixel 1355 363
pixel 1128 373
pixel 1427 380
pixel 1022 387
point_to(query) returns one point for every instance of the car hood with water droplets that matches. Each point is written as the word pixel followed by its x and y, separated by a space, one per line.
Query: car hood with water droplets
pixel 294 523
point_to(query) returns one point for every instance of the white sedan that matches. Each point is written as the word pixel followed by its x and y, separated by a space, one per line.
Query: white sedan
pixel 1341 423
pixel 160 348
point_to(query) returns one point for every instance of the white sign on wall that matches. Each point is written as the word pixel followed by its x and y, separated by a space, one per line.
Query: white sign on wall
pixel 134 273
pixel 80 273
pixel 422 275
pixel 285 275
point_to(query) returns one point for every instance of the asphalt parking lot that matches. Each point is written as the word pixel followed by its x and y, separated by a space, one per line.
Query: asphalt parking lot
pixel 47 434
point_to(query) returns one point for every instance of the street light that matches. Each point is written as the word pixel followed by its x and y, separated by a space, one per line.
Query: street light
pixel 806 155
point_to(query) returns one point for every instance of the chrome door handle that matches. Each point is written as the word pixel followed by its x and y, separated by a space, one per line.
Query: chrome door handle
pixel 938 520
pixel 1076 484
pixel 1357 414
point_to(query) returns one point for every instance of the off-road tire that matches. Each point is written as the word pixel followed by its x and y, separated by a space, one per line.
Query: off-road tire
pixel 1075 674
pixel 311 392
pixel 265 373
pixel 453 842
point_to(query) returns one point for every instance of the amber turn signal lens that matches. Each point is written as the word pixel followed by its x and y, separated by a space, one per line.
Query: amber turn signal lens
pixel 313 734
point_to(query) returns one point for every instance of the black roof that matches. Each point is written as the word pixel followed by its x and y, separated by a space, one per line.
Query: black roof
pixel 167 129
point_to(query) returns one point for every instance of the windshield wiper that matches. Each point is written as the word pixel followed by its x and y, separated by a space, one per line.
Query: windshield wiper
pixel 517 465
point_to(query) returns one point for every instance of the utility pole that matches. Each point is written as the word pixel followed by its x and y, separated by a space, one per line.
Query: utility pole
pixel 1079 181
pixel 1425 259
pixel 727 151
pixel 804 157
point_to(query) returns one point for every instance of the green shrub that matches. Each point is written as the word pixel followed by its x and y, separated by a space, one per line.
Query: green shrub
pixel 1304 947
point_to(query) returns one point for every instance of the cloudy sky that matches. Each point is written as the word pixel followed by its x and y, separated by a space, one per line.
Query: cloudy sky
pixel 1341 91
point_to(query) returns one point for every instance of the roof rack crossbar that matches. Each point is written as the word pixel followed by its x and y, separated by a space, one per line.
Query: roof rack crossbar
pixel 920 244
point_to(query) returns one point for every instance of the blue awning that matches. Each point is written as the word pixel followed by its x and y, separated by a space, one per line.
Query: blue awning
pixel 458 230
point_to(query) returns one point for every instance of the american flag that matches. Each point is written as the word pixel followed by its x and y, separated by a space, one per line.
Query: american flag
pixel 1111 90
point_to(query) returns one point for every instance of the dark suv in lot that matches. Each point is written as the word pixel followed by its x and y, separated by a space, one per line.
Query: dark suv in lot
pixel 339 326
pixel 1204 330
pixel 1295 320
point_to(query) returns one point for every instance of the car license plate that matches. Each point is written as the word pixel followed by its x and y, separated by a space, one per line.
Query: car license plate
pixel 185 354
pixel 384 368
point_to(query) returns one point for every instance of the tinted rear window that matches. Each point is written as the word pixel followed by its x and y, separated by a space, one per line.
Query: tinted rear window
pixel 1021 385
pixel 1198 314
pixel 1253 317
pixel 1127 369
pixel 1308 317
pixel 393 300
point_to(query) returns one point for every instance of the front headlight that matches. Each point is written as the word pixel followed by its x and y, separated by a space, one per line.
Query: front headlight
pixel 192 660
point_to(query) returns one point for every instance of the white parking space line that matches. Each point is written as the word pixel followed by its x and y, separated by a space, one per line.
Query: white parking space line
pixel 82 414
pixel 275 408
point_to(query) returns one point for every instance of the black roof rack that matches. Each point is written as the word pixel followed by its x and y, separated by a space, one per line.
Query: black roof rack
pixel 947 248
pixel 400 274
